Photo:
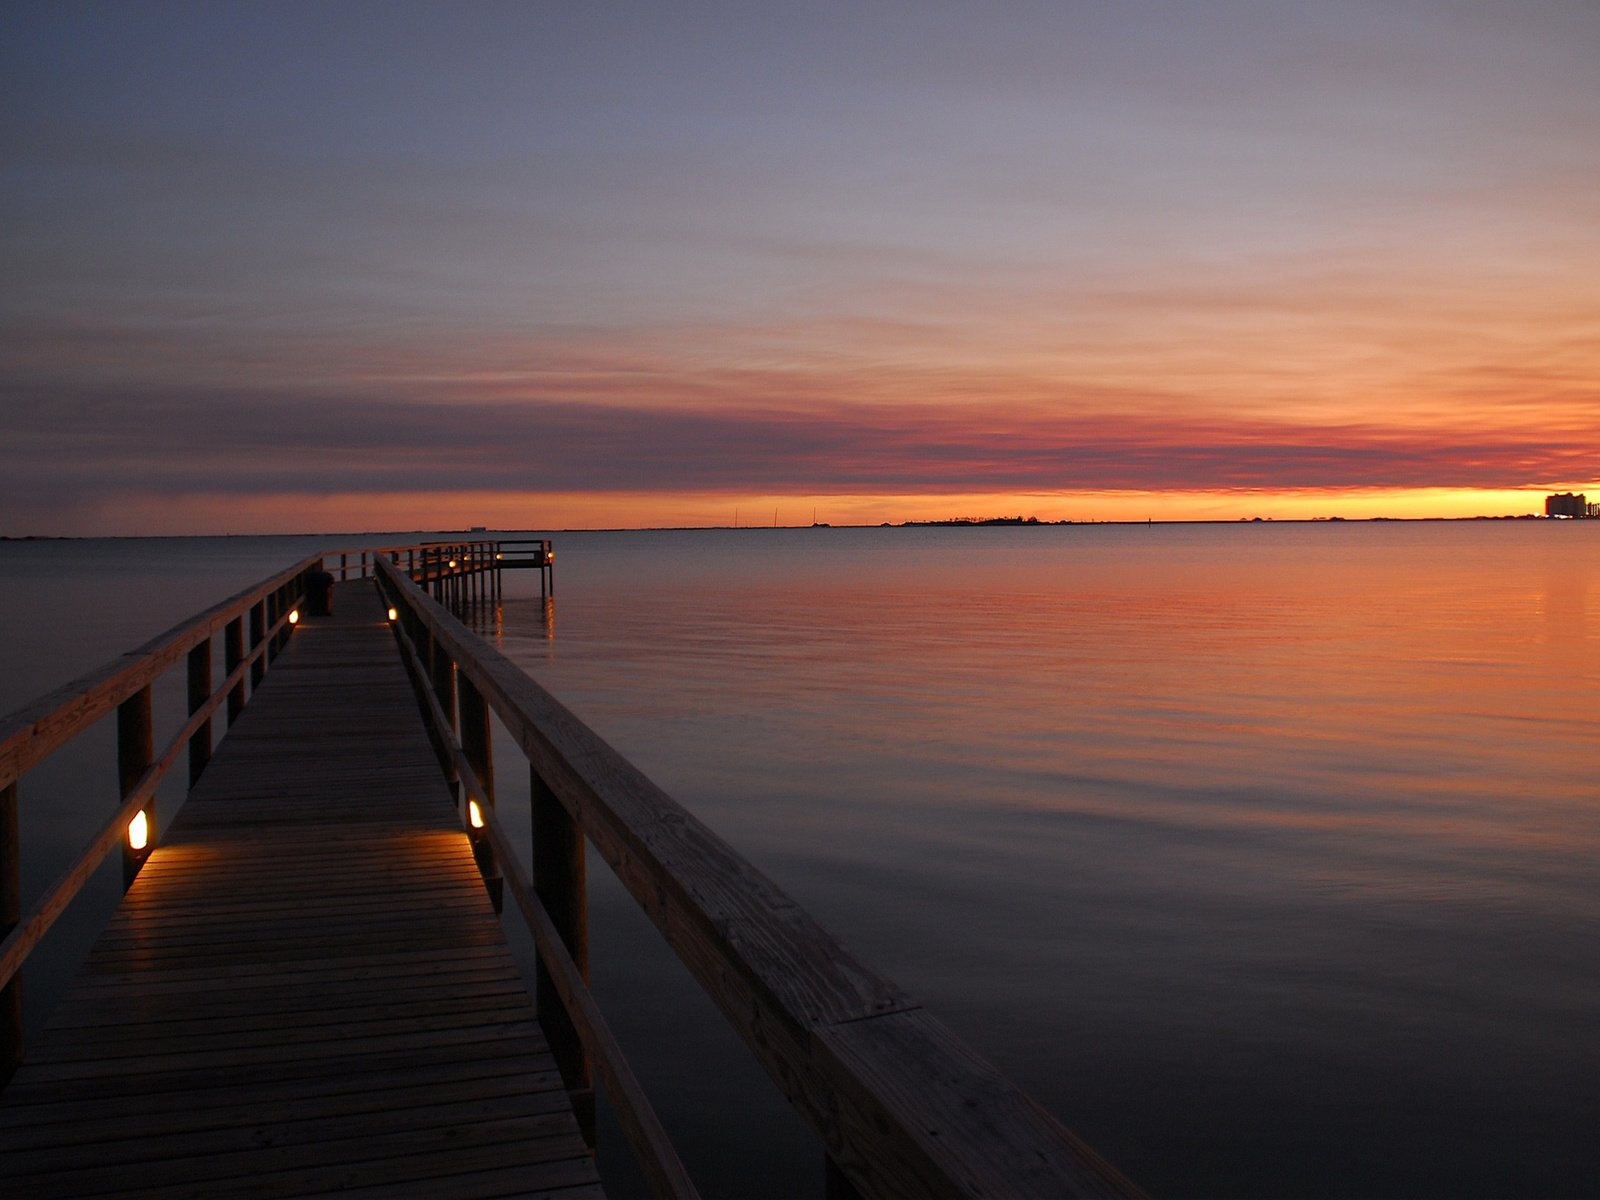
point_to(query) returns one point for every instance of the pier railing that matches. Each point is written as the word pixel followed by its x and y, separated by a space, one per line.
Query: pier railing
pixel 903 1108
pixel 254 626
pixel 454 571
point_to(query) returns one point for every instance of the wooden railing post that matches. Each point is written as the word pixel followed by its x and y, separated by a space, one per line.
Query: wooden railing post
pixel 282 604
pixel 199 693
pixel 258 627
pixel 344 567
pixel 232 656
pixel 272 611
pixel 476 742
pixel 135 751
pixel 443 672
pixel 560 880
pixel 478 750
pixel 10 914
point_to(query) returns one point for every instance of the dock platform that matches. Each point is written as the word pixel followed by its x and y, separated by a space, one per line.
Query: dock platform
pixel 306 989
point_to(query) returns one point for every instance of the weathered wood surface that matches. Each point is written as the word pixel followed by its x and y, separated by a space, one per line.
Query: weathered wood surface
pixel 306 990
pixel 903 1108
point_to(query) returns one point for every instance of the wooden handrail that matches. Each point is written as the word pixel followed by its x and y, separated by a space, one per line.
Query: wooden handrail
pixel 903 1107
pixel 635 1114
pixel 30 734
pixel 30 930
pixel 123 685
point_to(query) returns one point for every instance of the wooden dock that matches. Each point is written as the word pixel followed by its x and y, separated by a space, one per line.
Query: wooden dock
pixel 306 990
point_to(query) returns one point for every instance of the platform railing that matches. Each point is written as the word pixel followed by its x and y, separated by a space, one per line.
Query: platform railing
pixel 255 625
pixel 454 572
pixel 903 1107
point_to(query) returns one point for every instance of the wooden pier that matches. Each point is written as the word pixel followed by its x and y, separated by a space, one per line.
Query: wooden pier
pixel 306 988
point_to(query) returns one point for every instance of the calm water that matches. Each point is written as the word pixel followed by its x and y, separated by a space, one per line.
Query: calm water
pixel 1264 856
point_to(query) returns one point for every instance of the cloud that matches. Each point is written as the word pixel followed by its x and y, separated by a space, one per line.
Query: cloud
pixel 73 450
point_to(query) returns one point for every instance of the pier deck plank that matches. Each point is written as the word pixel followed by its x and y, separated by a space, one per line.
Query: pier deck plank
pixel 306 990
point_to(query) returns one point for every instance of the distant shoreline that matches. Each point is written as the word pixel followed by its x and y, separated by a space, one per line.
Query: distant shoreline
pixel 949 523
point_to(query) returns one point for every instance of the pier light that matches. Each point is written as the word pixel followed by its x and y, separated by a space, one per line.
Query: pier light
pixel 394 613
pixel 498 557
pixel 549 556
pixel 474 814
pixel 452 564
pixel 294 617
pixel 139 831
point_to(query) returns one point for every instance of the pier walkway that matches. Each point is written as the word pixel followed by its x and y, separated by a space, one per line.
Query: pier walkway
pixel 306 989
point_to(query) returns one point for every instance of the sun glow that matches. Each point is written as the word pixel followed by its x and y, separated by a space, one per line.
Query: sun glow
pixel 701 509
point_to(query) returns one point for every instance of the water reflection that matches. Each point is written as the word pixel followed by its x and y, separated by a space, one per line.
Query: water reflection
pixel 488 618
pixel 1266 858
pixel 1565 605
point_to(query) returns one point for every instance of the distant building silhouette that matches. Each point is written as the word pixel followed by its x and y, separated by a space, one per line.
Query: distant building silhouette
pixel 1569 504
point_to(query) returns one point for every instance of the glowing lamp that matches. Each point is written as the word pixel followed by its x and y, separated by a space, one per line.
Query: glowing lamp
pixel 498 557
pixel 474 814
pixel 549 556
pixel 393 615
pixel 139 831
pixel 452 564
pixel 294 617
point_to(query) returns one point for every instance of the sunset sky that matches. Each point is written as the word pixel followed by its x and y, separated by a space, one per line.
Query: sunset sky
pixel 332 266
